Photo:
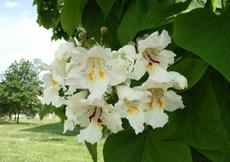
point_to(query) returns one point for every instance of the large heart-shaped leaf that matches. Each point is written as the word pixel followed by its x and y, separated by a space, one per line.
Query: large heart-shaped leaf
pixel 200 123
pixel 207 35
pixel 221 88
pixel 147 14
pixel 129 147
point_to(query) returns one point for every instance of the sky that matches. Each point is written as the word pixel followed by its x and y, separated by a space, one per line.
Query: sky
pixel 21 36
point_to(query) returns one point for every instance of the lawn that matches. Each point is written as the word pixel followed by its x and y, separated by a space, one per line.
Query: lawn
pixel 40 141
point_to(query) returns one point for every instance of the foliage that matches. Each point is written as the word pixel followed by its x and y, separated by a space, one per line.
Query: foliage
pixel 47 109
pixel 201 37
pixel 20 88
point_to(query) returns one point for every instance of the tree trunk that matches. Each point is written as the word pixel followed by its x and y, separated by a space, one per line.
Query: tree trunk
pixel 10 116
pixel 15 116
pixel 18 117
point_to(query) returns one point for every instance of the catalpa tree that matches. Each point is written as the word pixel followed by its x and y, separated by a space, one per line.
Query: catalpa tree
pixel 151 77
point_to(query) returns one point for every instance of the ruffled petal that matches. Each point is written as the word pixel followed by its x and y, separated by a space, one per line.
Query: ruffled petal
pixel 165 58
pixel 156 118
pixel 97 89
pixel 136 120
pixel 69 125
pixel 113 122
pixel 129 93
pixel 140 68
pixel 91 134
pixel 172 101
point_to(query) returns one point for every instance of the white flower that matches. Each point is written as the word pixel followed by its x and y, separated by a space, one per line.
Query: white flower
pixel 155 59
pixel 161 100
pixel 95 70
pixel 75 109
pixel 170 78
pixel 128 54
pixel 91 134
pixel 131 102
pixel 51 92
pixel 152 54
pixel 60 65
pixel 88 77
pixel 92 116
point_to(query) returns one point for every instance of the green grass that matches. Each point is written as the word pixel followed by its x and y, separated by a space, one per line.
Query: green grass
pixel 41 141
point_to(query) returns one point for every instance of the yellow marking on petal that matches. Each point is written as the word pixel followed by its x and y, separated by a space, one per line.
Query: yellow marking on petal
pixel 102 73
pixel 133 108
pixel 151 104
pixel 91 75
pixel 53 83
pixel 160 102
pixel 149 66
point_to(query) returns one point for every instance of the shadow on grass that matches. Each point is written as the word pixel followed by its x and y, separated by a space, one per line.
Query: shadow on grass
pixel 51 140
pixel 54 128
pixel 14 122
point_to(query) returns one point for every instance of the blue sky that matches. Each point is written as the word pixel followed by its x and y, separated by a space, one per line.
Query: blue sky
pixel 21 36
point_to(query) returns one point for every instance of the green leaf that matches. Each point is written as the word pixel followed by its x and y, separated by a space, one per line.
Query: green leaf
pixel 192 68
pixel 147 14
pixel 222 89
pixel 214 156
pixel 146 147
pixel 206 35
pixel 92 148
pixel 105 6
pixel 93 26
pixel 71 15
pixel 199 124
pixel 48 14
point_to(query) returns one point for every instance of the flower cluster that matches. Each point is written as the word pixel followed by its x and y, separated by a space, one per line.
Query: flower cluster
pixel 85 79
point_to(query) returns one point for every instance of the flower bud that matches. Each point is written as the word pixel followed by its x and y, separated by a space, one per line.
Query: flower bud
pixel 138 38
pixel 104 30
pixel 131 43
pixel 145 36
pixel 82 35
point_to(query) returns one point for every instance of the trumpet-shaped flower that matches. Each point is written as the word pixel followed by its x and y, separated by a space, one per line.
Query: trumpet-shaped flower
pixel 161 100
pixel 96 70
pixel 165 79
pixel 128 55
pixel 152 55
pixel 51 92
pixel 60 65
pixel 91 116
pixel 92 77
pixel 131 102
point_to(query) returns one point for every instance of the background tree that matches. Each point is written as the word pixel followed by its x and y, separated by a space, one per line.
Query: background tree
pixel 20 89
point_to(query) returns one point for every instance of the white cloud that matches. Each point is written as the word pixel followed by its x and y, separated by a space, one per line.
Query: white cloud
pixel 23 38
pixel 12 4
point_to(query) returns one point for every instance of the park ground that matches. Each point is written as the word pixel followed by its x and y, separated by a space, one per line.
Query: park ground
pixel 40 141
